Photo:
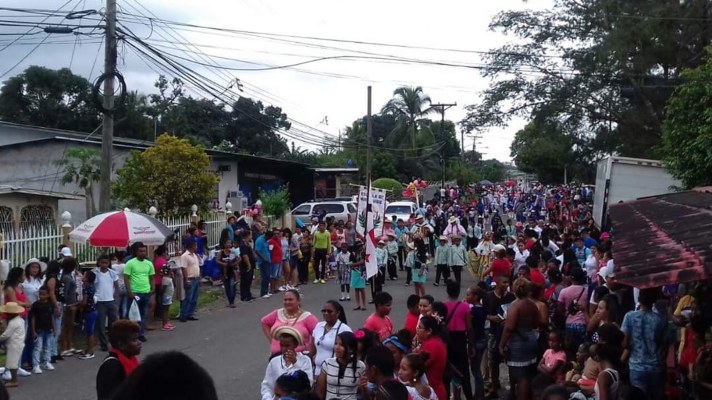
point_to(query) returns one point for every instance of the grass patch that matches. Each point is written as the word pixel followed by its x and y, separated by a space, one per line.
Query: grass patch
pixel 206 296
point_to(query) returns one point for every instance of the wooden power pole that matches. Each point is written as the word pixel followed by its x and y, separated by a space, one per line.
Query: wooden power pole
pixel 441 109
pixel 107 131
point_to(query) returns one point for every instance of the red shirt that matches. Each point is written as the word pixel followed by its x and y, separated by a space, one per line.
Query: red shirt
pixel 275 250
pixel 500 266
pixel 411 323
pixel 435 366
pixel 383 326
pixel 537 277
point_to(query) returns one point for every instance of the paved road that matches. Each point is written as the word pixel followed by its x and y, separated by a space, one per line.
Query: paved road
pixel 228 343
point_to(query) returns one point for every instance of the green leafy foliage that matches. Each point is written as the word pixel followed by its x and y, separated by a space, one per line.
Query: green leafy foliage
pixel 543 149
pixel 174 174
pixel 601 71
pixel 393 187
pixel 83 167
pixel 687 132
pixel 275 202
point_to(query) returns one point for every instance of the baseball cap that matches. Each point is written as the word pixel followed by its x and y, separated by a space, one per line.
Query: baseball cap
pixel 66 252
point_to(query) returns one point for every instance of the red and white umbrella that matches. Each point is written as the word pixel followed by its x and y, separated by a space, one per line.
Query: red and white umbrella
pixel 120 229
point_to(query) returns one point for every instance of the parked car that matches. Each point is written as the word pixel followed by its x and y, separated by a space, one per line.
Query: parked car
pixel 401 209
pixel 341 210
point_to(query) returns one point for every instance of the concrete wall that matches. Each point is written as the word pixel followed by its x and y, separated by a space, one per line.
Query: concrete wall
pixel 228 179
pixel 18 201
pixel 33 166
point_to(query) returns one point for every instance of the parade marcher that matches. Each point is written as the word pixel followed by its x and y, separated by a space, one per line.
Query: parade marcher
pixel 458 258
pixel 441 260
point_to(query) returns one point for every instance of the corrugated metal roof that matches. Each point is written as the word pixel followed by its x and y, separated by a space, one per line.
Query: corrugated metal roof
pixel 6 189
pixel 663 239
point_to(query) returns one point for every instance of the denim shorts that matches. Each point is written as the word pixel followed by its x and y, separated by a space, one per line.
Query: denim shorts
pixel 90 322
pixel 274 270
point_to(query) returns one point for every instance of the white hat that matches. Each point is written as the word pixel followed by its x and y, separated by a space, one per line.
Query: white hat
pixel 452 219
pixel 43 266
pixel 66 252
pixel 443 238
pixel 498 248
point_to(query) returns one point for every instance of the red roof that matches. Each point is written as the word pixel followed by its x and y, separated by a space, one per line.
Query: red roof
pixel 663 239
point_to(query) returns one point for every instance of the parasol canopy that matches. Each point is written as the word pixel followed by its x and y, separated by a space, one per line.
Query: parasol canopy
pixel 485 182
pixel 120 229
pixel 510 183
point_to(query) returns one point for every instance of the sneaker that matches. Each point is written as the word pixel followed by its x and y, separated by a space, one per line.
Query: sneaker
pixel 322 281
pixel 348 298
pixel 22 372
pixel 283 288
pixel 342 298
pixel 167 328
pixel 142 338
pixel 37 370
pixel 6 376
pixel 87 356
pixel 436 284
pixel 48 367
pixel 267 296
pixel 316 281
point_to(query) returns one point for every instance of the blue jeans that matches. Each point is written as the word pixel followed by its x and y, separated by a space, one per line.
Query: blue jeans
pixel 264 277
pixel 187 306
pixel 144 299
pixel 40 353
pixel 122 304
pixel 652 383
pixel 230 291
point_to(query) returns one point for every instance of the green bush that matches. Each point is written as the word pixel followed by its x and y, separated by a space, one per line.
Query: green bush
pixel 275 202
pixel 393 185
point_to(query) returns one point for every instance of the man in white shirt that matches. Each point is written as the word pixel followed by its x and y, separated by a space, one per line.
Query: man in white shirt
pixel 107 288
pixel 191 281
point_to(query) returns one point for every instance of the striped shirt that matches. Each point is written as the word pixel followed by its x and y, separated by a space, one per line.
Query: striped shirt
pixel 344 388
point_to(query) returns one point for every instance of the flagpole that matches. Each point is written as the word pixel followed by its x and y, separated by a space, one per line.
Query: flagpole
pixel 369 127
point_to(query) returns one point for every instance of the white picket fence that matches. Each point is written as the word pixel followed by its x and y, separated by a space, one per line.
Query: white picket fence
pixel 38 242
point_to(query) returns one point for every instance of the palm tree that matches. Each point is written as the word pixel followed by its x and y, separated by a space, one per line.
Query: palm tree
pixel 411 105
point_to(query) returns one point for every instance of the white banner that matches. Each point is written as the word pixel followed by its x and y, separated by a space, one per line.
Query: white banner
pixel 378 209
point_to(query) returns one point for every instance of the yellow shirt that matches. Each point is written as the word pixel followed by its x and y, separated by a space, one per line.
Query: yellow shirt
pixel 686 301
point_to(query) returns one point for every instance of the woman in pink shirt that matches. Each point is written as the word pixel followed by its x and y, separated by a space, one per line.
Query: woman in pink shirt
pixel 456 320
pixel 291 314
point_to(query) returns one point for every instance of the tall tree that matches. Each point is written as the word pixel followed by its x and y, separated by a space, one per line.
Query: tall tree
pixel 83 167
pixel 254 127
pixel 544 149
pixel 687 142
pixel 594 66
pixel 49 98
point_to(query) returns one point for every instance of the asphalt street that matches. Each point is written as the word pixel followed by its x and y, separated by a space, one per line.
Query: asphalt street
pixel 228 343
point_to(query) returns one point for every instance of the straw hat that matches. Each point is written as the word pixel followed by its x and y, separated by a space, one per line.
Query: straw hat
pixel 452 220
pixel 443 238
pixel 410 245
pixel 286 330
pixel 419 218
pixel 456 237
pixel 12 308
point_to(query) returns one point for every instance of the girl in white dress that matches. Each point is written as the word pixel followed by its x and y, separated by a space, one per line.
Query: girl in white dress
pixel 411 372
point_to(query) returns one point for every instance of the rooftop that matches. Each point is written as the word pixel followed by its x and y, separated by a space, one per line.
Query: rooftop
pixel 6 189
pixel 663 239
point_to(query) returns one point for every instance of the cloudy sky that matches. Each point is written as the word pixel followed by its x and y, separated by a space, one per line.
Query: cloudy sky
pixel 324 96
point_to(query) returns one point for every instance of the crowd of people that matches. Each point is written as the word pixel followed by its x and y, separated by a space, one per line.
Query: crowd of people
pixel 544 303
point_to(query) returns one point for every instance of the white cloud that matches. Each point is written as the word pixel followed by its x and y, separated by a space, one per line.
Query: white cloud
pixel 455 24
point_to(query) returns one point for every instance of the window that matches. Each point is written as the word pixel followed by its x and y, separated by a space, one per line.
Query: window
pixel 6 219
pixel 302 210
pixel 36 216
pixel 330 208
pixel 399 210
pixel 351 207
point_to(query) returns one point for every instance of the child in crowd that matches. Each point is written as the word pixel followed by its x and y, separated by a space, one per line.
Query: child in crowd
pixel 287 362
pixel 420 273
pixel 167 290
pixel 575 367
pixel 343 263
pixel 379 321
pixel 332 264
pixel 457 258
pixel 117 264
pixel 42 328
pixel 14 339
pixel 392 249
pixel 442 256
pixel 411 319
pixel 411 372
pixel 551 366
pixel 380 278
pixel 409 263
pixel 291 385
pixel 88 304
pixel 358 275
pixel 366 339
pixel 591 369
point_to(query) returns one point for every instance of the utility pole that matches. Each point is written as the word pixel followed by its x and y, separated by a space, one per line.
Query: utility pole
pixel 107 131
pixel 441 108
pixel 369 129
